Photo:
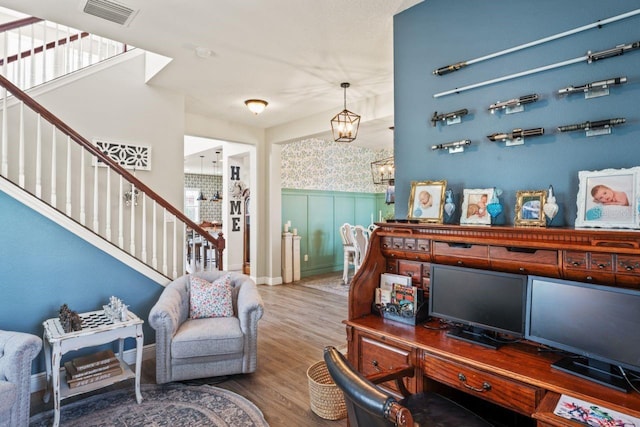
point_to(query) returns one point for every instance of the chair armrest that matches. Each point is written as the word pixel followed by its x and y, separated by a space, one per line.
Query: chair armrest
pixel 397 375
pixel 167 313
pixel 250 307
pixel 18 350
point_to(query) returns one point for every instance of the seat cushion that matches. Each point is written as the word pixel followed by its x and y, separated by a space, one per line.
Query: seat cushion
pixel 206 337
pixel 434 410
pixel 210 299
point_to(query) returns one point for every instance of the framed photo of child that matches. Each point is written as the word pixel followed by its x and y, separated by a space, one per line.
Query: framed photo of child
pixel 426 202
pixel 609 198
pixel 529 208
pixel 474 206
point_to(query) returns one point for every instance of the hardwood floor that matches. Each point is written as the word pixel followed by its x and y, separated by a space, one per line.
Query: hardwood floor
pixel 297 324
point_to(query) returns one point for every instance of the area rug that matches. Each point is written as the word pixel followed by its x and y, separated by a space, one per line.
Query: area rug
pixel 174 405
pixel 327 283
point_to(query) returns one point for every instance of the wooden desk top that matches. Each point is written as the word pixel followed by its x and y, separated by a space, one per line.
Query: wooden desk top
pixel 520 361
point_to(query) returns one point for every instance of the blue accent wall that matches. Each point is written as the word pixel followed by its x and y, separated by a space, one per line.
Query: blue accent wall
pixel 44 266
pixel 437 33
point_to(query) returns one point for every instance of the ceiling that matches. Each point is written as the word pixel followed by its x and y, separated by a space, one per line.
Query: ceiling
pixel 292 53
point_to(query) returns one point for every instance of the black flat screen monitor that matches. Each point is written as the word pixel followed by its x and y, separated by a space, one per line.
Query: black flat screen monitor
pixel 600 325
pixel 479 302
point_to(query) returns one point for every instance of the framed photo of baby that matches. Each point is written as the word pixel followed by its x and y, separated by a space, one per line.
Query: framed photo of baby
pixel 474 206
pixel 426 202
pixel 609 198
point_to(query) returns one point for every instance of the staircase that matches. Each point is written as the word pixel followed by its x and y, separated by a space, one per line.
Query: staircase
pixel 60 173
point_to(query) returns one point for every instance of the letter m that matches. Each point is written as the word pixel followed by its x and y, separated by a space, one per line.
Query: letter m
pixel 235 207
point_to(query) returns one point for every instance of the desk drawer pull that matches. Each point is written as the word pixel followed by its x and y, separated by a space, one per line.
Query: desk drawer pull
pixel 485 385
pixel 376 365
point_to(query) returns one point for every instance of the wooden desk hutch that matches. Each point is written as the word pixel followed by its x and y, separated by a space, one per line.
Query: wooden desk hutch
pixel 517 376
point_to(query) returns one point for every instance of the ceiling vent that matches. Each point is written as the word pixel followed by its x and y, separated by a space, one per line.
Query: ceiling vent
pixel 109 10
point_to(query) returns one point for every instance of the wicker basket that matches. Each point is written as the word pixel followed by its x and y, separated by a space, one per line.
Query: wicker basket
pixel 327 400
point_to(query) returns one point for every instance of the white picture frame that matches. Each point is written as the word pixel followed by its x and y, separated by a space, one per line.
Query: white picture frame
pixel 474 206
pixel 608 198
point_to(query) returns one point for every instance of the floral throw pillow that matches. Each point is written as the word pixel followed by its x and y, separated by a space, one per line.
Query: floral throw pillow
pixel 210 299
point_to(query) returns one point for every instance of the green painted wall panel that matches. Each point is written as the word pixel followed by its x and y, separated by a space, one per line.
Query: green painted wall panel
pixel 321 231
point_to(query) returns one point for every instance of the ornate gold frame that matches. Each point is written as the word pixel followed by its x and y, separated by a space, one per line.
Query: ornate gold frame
pixel 436 212
pixel 525 217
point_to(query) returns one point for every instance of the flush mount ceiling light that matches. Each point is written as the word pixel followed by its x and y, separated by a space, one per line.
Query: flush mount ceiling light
pixel 203 52
pixel 256 106
pixel 344 126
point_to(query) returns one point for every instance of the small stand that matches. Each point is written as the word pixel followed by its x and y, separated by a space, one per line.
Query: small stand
pixel 514 141
pixel 514 109
pixel 458 149
pixel 453 121
pixel 599 131
pixel 596 92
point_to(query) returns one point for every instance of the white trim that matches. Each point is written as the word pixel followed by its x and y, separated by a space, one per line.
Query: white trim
pixel 80 231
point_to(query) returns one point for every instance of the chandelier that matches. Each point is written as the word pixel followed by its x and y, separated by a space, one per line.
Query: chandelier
pixel 382 171
pixel 345 124
pixel 217 195
pixel 201 195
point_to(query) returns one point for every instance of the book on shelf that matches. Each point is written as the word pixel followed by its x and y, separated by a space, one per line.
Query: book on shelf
pixel 73 373
pixel 406 297
pixel 94 360
pixel 112 372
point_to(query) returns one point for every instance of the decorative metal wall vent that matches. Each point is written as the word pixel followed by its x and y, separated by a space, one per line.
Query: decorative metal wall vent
pixel 129 156
pixel 110 10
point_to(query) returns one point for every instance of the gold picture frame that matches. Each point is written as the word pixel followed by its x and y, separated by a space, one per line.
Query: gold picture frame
pixel 529 208
pixel 426 202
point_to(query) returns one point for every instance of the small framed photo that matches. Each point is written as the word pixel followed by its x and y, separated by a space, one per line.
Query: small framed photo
pixel 608 198
pixel 474 206
pixel 529 208
pixel 426 202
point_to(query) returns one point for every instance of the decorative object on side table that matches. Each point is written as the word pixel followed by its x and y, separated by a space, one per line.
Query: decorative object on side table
pixel 529 210
pixel 69 319
pixel 116 310
pixel 550 207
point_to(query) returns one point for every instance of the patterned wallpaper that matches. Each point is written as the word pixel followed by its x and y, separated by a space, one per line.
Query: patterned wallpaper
pixel 317 164
pixel 209 211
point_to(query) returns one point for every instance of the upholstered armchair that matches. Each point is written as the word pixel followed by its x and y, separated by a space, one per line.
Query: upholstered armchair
pixel 17 351
pixel 189 348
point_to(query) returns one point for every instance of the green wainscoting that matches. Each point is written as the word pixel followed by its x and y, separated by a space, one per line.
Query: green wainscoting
pixel 317 217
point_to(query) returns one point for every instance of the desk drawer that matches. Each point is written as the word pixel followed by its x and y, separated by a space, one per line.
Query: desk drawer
pixel 377 356
pixel 464 255
pixel 505 392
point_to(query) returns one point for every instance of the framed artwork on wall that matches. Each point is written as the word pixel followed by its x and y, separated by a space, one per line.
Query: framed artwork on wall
pixel 426 202
pixel 474 206
pixel 529 208
pixel 609 198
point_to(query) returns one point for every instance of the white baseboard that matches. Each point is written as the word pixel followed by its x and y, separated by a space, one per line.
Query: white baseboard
pixel 39 380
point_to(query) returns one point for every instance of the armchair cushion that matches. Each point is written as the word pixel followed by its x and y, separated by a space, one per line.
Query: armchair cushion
pixel 204 337
pixel 8 395
pixel 210 299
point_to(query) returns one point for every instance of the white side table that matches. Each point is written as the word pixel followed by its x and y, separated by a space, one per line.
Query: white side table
pixel 97 329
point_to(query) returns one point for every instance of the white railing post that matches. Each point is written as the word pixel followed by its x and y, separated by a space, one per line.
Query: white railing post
pixel 21 148
pixel 143 252
pixel 39 158
pixel 175 249
pixel 68 179
pixel 54 196
pixel 120 216
pixel 164 242
pixel 108 196
pixel 83 196
pixel 132 225
pixel 154 237
pixel 96 223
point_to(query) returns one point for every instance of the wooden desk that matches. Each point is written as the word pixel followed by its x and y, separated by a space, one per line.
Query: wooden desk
pixel 516 376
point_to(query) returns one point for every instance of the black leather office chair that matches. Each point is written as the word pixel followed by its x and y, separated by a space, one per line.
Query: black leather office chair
pixel 370 406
